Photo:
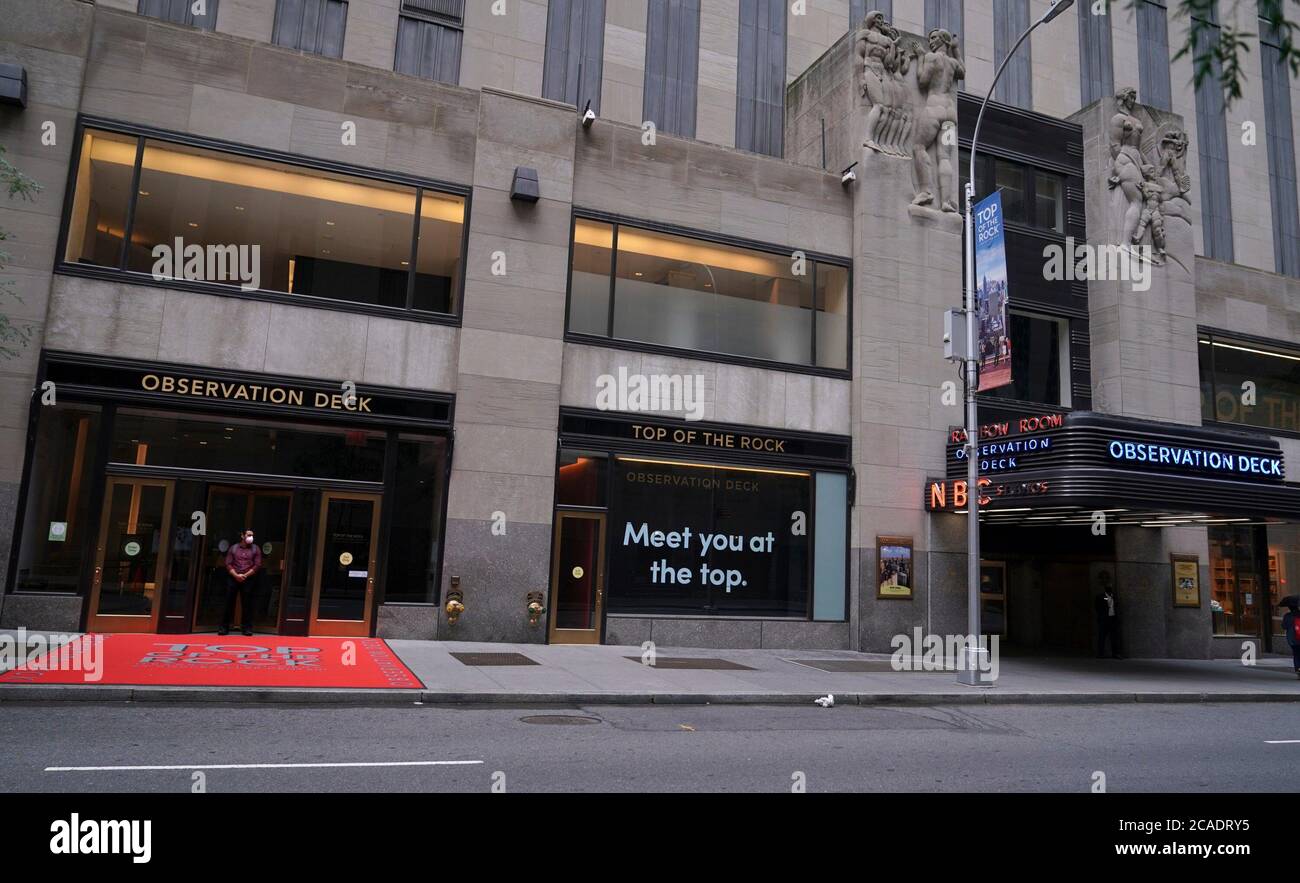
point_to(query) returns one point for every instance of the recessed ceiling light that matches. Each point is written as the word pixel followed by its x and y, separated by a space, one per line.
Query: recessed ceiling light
pixel 239 208
pixel 639 273
pixel 329 223
pixel 324 251
pixel 192 224
pixel 406 263
pixel 144 192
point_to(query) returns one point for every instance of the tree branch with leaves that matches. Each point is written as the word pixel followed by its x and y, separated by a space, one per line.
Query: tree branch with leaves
pixel 1218 45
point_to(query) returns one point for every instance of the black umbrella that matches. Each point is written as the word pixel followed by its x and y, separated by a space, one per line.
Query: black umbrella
pixel 1292 601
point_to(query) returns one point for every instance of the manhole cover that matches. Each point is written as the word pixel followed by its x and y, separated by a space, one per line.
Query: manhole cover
pixel 494 659
pixel 562 720
pixel 693 662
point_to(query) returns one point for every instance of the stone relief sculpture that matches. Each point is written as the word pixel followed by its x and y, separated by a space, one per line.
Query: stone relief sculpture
pixel 934 151
pixel 1149 175
pixel 910 91
pixel 884 86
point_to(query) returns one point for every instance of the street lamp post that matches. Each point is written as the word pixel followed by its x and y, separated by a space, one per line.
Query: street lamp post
pixel 974 657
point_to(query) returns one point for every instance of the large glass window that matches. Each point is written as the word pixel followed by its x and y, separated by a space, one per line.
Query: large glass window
pixel 693 538
pixel 1029 196
pixel 229 445
pixel 671 290
pixel 97 225
pixel 1010 179
pixel 1238 577
pixel 1250 384
pixel 416 538
pixel 254 223
pixel 57 520
pixel 1040 364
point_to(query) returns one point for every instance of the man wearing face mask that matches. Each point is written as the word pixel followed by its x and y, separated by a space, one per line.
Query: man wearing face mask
pixel 243 569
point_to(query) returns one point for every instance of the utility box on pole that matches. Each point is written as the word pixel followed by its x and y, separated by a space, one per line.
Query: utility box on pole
pixel 954 335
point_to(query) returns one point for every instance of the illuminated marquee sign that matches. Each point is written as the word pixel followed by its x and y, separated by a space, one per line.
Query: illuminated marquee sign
pixel 947 495
pixel 1004 428
pixel 1203 459
pixel 1005 455
pixel 1004 443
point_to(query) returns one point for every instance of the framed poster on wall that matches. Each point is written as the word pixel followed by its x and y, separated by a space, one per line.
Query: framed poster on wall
pixel 894 567
pixel 1186 580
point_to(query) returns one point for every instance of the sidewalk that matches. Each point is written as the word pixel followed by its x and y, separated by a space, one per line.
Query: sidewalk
pixel 577 675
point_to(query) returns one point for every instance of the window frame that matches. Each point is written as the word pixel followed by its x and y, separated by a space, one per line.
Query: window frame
pixel 120 273
pixel 986 171
pixel 619 343
pixel 189 16
pixel 297 47
pixel 430 18
pixel 1065 387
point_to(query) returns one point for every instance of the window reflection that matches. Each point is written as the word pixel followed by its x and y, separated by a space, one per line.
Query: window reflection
pixel 1039 354
pixel 317 233
pixel 1275 375
pixel 157 438
pixel 99 203
pixel 1010 179
pixel 692 294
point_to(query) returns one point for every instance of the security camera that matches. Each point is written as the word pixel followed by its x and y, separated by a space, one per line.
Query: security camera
pixel 848 176
pixel 588 116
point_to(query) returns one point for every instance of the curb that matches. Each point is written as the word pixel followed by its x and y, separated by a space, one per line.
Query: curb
pixel 341 697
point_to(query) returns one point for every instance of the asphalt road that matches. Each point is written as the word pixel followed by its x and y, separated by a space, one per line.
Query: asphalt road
pixel 1194 748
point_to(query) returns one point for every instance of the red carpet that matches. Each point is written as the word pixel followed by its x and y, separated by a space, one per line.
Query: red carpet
pixel 210 661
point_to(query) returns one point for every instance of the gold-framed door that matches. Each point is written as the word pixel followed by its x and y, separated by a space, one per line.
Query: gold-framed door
pixel 131 555
pixel 343 593
pixel 577 602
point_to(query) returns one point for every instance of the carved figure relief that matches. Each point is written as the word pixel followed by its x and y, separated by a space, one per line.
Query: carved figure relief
pixel 1149 170
pixel 909 90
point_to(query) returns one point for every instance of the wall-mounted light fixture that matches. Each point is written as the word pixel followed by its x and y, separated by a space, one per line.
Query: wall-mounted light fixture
pixel 524 188
pixel 13 85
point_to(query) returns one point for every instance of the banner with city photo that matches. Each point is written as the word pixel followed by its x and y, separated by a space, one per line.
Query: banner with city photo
pixel 991 295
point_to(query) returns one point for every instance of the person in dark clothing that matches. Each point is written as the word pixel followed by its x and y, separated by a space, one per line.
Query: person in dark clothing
pixel 243 573
pixel 1289 628
pixel 1107 618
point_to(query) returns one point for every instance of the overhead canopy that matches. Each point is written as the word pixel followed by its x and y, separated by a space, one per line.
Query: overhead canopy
pixel 1063 468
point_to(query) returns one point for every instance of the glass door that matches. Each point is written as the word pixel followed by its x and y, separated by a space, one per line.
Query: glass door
pixel 577 578
pixel 343 601
pixel 993 598
pixel 131 557
pixel 229 512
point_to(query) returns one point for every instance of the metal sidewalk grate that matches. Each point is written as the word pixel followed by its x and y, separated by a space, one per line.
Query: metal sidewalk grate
pixel 698 663
pixel 494 659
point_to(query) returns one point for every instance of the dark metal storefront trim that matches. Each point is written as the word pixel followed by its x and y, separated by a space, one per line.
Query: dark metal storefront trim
pixel 617 441
pixel 440 405
pixel 437 407
pixel 614 431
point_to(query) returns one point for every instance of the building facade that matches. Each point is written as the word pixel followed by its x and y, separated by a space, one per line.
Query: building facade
pixel 529 321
